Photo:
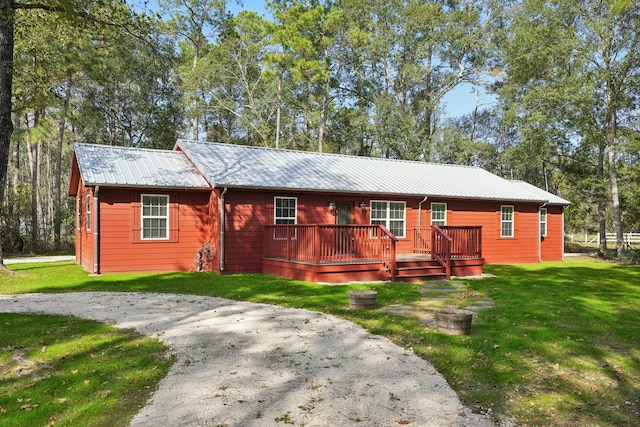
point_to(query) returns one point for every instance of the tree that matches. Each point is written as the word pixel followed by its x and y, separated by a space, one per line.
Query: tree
pixel 572 68
pixel 196 23
pixel 86 14
pixel 6 89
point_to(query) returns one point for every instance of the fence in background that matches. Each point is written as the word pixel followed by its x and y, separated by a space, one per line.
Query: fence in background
pixel 630 239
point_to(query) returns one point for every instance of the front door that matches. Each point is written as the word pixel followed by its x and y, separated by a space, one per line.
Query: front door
pixel 344 236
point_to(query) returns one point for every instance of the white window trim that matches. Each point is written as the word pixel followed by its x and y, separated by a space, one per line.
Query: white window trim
pixel 276 218
pixel 512 221
pixel 88 211
pixel 544 221
pixel 143 217
pixel 445 213
pixel 388 219
pixel 79 213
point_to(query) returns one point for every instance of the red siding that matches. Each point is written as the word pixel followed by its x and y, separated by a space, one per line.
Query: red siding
pixel 523 247
pixel 195 219
pixel 84 237
pixel 122 250
pixel 553 242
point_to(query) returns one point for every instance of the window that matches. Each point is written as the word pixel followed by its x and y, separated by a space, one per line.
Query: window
pixel 79 213
pixel 285 210
pixel 506 221
pixel 88 219
pixel 389 214
pixel 543 222
pixel 438 214
pixel 155 217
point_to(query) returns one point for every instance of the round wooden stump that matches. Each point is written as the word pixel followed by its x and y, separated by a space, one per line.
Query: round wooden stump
pixel 454 321
pixel 362 300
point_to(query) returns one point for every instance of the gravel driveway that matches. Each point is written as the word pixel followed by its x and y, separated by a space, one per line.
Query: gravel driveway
pixel 246 364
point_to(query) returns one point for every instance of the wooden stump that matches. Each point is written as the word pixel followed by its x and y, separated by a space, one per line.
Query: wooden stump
pixel 362 300
pixel 454 321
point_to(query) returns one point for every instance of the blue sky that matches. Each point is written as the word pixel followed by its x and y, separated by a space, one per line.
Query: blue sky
pixel 460 101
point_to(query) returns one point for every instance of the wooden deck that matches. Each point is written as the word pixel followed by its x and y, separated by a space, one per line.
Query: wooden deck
pixel 341 253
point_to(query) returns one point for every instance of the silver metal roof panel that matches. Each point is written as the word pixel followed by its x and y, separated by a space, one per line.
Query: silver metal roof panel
pixel 551 198
pixel 136 167
pixel 227 165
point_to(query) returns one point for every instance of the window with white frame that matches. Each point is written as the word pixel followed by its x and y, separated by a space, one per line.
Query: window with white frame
pixel 155 217
pixel 543 222
pixel 88 219
pixel 389 214
pixel 506 221
pixel 79 213
pixel 438 214
pixel 285 210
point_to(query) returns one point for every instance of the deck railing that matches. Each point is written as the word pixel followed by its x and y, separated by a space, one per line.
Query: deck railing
pixel 466 242
pixel 331 244
pixel 441 248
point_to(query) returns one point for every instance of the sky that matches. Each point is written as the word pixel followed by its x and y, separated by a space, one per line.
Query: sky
pixel 460 101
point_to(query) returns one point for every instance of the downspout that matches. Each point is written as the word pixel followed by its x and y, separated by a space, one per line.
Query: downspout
pixel 420 210
pixel 96 231
pixel 222 214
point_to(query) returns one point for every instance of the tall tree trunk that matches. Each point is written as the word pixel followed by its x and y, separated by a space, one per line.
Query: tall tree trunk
pixel 57 215
pixel 6 73
pixel 602 202
pixel 278 111
pixel 613 179
pixel 194 65
pixel 325 114
pixel 33 154
pixel 13 203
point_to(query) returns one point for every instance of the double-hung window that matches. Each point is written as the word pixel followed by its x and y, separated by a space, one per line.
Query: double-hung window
pixel 88 218
pixel 506 221
pixel 543 222
pixel 285 211
pixel 391 215
pixel 79 213
pixel 438 214
pixel 155 217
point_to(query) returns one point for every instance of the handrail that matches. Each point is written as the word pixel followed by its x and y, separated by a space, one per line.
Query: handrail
pixel 331 243
pixel 422 239
pixel 392 254
pixel 441 249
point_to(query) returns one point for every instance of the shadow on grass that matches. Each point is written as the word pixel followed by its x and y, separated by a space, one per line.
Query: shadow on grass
pixel 558 348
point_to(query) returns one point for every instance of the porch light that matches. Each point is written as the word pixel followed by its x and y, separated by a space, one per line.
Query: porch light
pixel 363 207
pixel 332 207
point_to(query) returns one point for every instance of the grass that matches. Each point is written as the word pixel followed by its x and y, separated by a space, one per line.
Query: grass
pixel 57 370
pixel 560 347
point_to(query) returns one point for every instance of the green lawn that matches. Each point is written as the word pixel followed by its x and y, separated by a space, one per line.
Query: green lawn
pixel 561 346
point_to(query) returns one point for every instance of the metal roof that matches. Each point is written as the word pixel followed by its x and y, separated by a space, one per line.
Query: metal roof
pixel 136 167
pixel 227 165
pixel 551 198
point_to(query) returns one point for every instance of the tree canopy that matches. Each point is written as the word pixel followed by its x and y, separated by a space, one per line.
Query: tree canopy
pixel 358 77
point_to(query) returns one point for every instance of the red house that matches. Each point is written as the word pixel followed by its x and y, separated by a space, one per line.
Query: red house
pixel 310 216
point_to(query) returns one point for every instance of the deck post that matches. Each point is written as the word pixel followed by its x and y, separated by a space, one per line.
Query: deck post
pixel 316 244
pixel 287 254
pixel 393 262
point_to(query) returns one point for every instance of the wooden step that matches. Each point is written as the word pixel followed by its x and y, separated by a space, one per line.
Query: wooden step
pixel 413 271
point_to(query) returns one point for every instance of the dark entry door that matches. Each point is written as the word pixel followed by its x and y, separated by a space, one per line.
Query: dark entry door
pixel 344 237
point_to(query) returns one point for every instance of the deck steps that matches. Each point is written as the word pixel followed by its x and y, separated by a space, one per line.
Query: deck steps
pixel 417 270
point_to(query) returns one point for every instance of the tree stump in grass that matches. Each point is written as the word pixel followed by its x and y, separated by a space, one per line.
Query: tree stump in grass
pixel 454 321
pixel 362 300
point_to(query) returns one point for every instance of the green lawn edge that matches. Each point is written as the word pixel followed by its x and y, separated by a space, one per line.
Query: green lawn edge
pixel 560 346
